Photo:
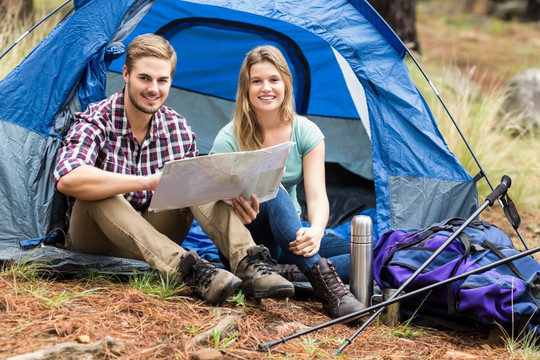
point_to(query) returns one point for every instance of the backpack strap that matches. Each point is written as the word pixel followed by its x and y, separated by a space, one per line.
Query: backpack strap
pixel 421 235
pixel 468 243
pixel 533 289
pixel 533 286
pixel 408 241
pixel 491 246
pixel 476 224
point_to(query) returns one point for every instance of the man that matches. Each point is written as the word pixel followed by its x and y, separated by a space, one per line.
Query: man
pixel 110 163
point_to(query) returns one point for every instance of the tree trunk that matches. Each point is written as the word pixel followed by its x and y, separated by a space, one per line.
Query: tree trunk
pixel 401 16
pixel 469 5
pixel 27 7
pixel 532 13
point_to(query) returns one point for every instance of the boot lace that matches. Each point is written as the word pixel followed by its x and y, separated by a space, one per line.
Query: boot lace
pixel 332 284
pixel 262 262
pixel 203 273
pixel 288 271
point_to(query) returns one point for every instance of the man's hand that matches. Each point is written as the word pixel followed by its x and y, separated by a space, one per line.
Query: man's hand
pixel 153 180
pixel 246 212
pixel 307 243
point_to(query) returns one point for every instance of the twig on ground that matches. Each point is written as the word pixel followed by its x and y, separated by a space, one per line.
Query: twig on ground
pixel 74 351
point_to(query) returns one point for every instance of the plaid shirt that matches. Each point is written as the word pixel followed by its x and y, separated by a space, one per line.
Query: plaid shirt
pixel 101 137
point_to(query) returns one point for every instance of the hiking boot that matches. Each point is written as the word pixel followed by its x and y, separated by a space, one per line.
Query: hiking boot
pixel 259 277
pixel 210 282
pixel 291 273
pixel 336 298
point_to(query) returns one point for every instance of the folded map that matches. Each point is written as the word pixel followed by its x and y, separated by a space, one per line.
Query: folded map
pixel 210 178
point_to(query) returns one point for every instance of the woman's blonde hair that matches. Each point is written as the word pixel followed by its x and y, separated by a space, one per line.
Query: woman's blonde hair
pixel 245 126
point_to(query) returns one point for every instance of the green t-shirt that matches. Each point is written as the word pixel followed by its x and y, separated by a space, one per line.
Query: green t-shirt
pixel 305 134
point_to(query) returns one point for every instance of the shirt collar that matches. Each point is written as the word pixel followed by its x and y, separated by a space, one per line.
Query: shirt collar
pixel 120 118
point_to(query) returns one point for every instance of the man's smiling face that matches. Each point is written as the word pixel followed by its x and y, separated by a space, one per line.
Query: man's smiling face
pixel 148 83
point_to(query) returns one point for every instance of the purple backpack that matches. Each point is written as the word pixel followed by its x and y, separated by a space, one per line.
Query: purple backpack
pixel 506 293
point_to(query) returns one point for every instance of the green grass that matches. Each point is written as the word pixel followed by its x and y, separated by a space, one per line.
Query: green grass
pixel 58 300
pixel 310 343
pixel 32 278
pixel 239 299
pixel 221 344
pixel 25 270
pixel 26 275
pixel 524 345
pixel 154 284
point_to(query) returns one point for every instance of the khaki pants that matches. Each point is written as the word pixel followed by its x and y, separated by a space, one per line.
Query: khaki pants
pixel 112 227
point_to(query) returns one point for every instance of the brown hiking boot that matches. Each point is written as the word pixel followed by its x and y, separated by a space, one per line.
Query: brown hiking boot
pixel 291 273
pixel 259 277
pixel 210 282
pixel 337 300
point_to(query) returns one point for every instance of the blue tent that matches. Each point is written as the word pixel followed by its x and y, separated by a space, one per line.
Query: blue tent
pixel 350 78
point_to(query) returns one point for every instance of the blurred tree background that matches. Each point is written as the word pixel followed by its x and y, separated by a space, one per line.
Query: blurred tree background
pixel 532 13
pixel 16 8
pixel 401 14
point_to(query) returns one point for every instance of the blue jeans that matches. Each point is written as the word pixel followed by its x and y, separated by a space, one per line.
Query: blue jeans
pixel 276 226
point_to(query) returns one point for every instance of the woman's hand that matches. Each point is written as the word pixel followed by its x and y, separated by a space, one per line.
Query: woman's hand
pixel 246 212
pixel 307 243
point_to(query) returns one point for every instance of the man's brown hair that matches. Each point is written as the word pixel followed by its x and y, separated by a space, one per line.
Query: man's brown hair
pixel 150 45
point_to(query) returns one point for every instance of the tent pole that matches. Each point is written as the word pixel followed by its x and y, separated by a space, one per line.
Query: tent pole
pixel 505 205
pixel 33 27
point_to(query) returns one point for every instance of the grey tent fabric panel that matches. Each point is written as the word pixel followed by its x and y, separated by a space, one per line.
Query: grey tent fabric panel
pixel 419 202
pixel 30 201
pixel 132 19
pixel 26 189
pixel 347 143
pixel 206 114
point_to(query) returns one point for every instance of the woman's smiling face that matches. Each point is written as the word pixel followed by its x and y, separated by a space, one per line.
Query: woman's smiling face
pixel 266 88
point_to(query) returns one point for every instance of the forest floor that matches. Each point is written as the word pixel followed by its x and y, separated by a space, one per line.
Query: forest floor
pixel 39 313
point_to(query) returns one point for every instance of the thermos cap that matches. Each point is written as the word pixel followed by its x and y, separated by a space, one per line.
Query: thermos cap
pixel 361 229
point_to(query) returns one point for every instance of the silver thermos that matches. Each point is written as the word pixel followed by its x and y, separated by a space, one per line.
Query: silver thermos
pixel 361 277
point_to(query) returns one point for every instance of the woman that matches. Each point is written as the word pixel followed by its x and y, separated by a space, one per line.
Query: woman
pixel 265 116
